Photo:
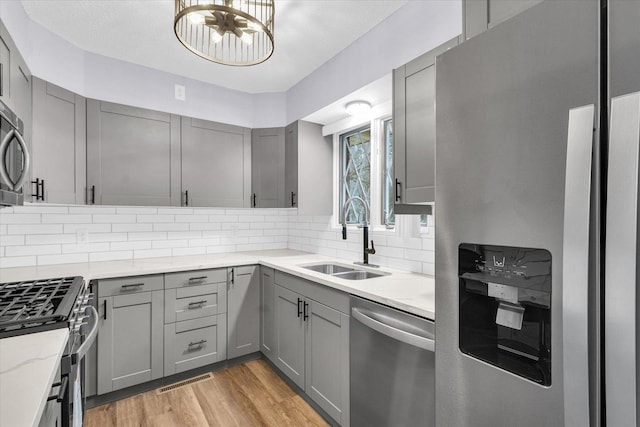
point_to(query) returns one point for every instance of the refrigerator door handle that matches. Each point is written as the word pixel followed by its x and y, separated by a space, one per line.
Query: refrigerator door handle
pixel 575 265
pixel 621 262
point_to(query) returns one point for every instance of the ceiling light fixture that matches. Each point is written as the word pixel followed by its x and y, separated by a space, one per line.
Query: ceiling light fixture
pixel 229 32
pixel 358 108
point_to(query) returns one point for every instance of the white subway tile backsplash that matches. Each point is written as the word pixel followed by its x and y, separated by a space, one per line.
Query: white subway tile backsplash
pixel 85 248
pixel 22 218
pixel 27 250
pixel 16 261
pixel 133 210
pixel 128 246
pixel 155 218
pixel 151 235
pixel 191 251
pixel 17 239
pixel 66 219
pixel 43 239
pixel 34 229
pixel 151 253
pixel 172 226
pixel 110 256
pixel 191 218
pixel 62 259
pixel 114 219
pixel 132 227
pixel 90 228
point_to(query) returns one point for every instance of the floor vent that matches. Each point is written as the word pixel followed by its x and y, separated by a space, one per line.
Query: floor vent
pixel 190 381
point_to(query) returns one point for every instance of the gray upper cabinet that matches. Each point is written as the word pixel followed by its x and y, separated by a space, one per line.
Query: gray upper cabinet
pixel 267 312
pixel 308 169
pixel 267 167
pixel 133 156
pixel 59 146
pixel 130 335
pixel 291 165
pixel 243 311
pixel 480 15
pixel 216 164
pixel 414 130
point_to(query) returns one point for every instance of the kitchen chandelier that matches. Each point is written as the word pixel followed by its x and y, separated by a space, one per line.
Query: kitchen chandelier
pixel 229 32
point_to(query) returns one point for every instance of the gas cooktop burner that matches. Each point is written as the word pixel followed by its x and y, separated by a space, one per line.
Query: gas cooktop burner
pixel 37 305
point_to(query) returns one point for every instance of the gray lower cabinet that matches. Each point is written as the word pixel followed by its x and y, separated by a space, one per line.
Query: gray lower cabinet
pixel 267 168
pixel 195 317
pixel 267 312
pixel 133 156
pixel 480 15
pixel 216 164
pixel 193 343
pixel 130 336
pixel 414 130
pixel 243 311
pixel 312 341
pixel 59 147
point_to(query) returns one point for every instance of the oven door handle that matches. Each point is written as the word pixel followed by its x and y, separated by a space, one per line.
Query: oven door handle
pixel 4 146
pixel 90 338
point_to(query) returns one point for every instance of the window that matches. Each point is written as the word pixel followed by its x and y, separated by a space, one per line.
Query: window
pixel 355 160
pixel 388 179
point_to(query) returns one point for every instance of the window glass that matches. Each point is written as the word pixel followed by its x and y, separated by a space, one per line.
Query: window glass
pixel 355 158
pixel 388 188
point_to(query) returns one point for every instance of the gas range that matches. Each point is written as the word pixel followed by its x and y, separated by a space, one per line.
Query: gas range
pixel 40 305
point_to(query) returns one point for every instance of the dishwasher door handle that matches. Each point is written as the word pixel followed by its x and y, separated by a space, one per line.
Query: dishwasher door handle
pixel 395 333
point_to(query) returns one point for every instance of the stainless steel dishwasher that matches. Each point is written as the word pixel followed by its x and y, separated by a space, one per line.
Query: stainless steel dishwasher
pixel 392 367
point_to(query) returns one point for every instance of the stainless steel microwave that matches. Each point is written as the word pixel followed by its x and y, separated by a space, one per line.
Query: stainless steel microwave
pixel 14 158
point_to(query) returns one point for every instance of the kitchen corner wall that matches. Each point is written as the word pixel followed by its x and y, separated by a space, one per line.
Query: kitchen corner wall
pixel 58 234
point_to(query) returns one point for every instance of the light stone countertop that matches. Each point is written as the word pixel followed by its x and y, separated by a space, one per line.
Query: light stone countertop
pixel 28 365
pixel 28 362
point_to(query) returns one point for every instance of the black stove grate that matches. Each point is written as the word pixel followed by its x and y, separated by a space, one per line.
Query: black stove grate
pixel 37 304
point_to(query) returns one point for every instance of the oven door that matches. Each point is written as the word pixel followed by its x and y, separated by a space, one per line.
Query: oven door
pixel 73 366
pixel 14 158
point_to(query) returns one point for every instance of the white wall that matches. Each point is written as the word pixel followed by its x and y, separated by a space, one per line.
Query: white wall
pixel 40 234
pixel 412 30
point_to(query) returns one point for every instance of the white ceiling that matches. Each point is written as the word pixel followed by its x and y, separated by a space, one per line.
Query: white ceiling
pixel 307 34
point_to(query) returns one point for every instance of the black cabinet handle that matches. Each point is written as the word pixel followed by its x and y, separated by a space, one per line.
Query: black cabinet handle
pixel 198 343
pixel 196 279
pixel 398 190
pixel 196 304
pixel 131 285
pixel 233 276
pixel 306 311
pixel 254 200
pixel 186 197
pixel 1 80
pixel 293 203
pixel 104 306
pixel 61 391
pixel 93 194
pixel 39 183
pixel 299 309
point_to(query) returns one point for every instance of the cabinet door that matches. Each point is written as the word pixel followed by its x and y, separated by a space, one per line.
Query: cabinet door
pixel 133 155
pixel 267 313
pixel 243 311
pixel 480 15
pixel 327 360
pixel 267 168
pixel 291 165
pixel 59 143
pixel 414 127
pixel 216 164
pixel 289 345
pixel 130 340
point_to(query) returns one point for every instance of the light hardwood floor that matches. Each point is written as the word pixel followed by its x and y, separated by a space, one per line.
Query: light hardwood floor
pixel 250 394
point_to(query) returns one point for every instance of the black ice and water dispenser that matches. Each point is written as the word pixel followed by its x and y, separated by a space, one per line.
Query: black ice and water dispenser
pixel 505 308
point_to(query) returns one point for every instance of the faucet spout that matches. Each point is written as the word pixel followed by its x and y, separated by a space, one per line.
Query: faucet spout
pixel 365 229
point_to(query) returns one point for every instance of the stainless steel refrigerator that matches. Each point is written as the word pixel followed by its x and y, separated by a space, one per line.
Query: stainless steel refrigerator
pixel 538 129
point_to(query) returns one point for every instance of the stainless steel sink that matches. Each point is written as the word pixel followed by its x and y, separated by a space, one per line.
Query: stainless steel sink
pixel 357 275
pixel 329 268
pixel 343 272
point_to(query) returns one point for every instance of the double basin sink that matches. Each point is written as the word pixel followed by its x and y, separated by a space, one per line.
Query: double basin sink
pixel 343 272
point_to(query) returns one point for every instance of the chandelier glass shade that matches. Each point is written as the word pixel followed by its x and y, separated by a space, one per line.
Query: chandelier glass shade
pixel 229 32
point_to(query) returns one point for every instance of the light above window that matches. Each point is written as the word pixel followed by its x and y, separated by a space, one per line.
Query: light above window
pixel 229 32
pixel 358 108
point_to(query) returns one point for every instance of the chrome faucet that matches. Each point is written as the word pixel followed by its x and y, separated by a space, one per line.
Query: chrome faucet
pixel 365 230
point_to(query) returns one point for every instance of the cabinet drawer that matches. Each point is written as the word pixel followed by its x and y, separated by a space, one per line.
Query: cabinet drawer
pixel 196 277
pixel 194 343
pixel 335 299
pixel 130 285
pixel 195 302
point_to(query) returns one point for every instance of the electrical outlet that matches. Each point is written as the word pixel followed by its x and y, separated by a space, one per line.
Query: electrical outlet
pixel 180 92
pixel 82 235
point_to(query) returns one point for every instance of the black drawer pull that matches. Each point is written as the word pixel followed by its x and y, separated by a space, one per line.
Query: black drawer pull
pixel 132 285
pixel 254 200
pixel 61 391
pixel 306 311
pixel 293 203
pixel 299 309
pixel 93 194
pixel 197 279
pixel 196 304
pixel 398 190
pixel 197 343
pixel 186 197
pixel 104 305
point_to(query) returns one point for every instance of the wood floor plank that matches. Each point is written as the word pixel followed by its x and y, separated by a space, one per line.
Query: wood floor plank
pixel 245 395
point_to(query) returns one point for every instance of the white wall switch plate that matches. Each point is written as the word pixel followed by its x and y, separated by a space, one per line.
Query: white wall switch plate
pixel 180 92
